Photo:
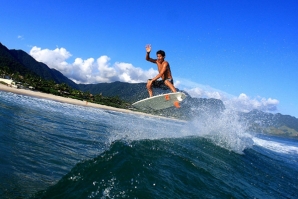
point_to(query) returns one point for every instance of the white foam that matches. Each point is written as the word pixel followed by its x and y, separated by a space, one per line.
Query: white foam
pixel 223 129
pixel 276 146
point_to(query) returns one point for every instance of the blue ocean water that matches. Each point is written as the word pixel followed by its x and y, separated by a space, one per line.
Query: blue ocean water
pixel 56 150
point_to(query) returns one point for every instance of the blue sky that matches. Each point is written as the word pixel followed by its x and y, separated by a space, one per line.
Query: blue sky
pixel 242 52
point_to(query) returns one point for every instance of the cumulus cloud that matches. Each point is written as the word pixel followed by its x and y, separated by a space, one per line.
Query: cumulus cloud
pixel 203 93
pixel 242 103
pixel 91 71
pixel 128 73
pixel 245 103
pixel 53 58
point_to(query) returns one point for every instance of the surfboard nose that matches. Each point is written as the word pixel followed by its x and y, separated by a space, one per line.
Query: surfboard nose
pixel 179 98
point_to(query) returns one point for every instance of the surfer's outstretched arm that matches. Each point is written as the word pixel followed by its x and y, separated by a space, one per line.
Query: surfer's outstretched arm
pixel 148 50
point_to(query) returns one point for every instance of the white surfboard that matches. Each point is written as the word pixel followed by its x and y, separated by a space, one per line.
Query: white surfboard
pixel 161 101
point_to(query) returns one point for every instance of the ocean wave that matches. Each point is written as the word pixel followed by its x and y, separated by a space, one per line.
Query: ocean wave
pixel 172 168
pixel 72 151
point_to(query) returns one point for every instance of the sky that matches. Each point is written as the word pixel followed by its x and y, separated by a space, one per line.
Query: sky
pixel 244 53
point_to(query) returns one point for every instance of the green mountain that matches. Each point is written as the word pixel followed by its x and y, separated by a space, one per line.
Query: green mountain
pixel 18 61
pixel 9 62
pixel 126 91
pixel 276 124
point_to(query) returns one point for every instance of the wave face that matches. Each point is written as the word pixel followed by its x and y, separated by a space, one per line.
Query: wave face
pixel 55 150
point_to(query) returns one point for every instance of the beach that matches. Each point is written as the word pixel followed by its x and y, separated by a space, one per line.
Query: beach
pixel 66 100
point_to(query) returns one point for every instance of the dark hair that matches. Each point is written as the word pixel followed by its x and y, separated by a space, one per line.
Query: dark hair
pixel 161 52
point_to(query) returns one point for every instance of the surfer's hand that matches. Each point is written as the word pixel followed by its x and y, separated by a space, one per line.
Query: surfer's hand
pixel 148 48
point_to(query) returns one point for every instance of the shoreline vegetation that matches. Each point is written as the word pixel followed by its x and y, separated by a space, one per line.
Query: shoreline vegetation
pixel 62 89
pixel 38 94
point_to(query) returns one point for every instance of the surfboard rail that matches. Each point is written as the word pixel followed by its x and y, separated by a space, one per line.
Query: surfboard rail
pixel 162 101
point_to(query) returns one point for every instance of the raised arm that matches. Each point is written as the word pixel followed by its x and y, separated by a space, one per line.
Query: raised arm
pixel 148 50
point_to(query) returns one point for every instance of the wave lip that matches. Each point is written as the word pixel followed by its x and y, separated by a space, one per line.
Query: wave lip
pixel 276 146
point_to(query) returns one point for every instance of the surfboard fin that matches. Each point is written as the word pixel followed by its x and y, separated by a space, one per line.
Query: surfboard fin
pixel 176 104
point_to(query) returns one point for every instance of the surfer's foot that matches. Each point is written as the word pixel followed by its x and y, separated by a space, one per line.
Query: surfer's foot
pixel 176 104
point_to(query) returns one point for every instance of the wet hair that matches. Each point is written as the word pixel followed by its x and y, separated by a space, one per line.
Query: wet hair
pixel 161 52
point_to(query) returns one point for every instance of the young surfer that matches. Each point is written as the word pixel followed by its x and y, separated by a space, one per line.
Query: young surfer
pixel 163 69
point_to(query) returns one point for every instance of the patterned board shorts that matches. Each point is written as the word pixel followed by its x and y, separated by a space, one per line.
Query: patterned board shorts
pixel 161 83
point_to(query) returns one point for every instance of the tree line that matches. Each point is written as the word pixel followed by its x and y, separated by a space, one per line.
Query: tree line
pixel 50 86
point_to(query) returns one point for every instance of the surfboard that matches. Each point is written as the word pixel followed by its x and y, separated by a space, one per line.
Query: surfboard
pixel 162 101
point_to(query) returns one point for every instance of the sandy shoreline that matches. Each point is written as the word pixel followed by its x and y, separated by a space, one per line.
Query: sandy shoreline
pixel 70 100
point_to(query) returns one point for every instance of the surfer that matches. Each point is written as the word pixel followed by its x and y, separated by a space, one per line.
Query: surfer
pixel 163 69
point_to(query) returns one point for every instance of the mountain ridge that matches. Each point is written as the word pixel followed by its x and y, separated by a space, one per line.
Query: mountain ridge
pixel 41 69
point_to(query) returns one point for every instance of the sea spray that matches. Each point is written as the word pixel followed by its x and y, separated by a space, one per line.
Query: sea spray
pixel 223 129
pixel 135 128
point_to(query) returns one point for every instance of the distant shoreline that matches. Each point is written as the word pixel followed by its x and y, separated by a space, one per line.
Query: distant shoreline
pixel 71 101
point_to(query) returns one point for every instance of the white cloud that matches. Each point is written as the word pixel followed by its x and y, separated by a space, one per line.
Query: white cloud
pixel 245 103
pixel 80 70
pixel 128 73
pixel 242 103
pixel 177 83
pixel 20 37
pixel 53 58
pixel 203 91
pixel 88 71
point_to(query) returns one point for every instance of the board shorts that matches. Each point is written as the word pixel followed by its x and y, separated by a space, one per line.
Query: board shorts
pixel 161 84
